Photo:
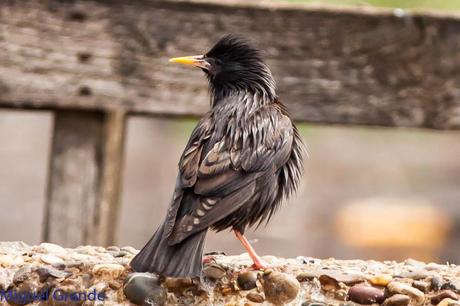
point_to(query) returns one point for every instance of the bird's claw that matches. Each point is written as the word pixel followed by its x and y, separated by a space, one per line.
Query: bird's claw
pixel 260 265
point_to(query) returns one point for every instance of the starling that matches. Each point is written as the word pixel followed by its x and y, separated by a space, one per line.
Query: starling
pixel 244 156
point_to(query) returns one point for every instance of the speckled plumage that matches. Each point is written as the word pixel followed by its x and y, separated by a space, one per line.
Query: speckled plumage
pixel 242 158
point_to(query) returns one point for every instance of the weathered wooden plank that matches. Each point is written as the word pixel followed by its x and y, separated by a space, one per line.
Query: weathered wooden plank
pixel 84 178
pixel 347 67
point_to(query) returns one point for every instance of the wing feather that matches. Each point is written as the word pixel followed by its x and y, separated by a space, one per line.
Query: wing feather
pixel 220 173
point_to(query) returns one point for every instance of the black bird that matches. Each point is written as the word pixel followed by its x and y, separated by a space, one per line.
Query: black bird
pixel 244 156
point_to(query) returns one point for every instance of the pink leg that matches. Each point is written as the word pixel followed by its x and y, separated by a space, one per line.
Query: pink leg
pixel 259 264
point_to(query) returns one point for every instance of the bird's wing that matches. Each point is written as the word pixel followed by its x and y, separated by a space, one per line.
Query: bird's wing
pixel 225 178
pixel 188 169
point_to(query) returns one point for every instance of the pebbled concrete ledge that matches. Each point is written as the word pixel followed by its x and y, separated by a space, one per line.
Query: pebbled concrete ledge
pixel 91 275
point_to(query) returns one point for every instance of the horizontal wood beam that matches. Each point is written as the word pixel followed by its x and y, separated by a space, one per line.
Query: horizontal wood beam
pixel 332 66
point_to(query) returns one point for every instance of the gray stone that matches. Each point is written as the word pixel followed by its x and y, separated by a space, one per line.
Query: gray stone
pixel 247 280
pixel 436 282
pixel 45 272
pixel 22 274
pixel 417 273
pixel 214 271
pixel 144 288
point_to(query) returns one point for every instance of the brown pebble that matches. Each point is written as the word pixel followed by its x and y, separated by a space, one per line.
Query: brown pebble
pixel 177 284
pixel 341 295
pixel 226 291
pixel 422 286
pixel 448 302
pixel 304 276
pixel 443 295
pixel 280 288
pixel 402 288
pixel 328 283
pixel 397 300
pixel 255 297
pixel 364 294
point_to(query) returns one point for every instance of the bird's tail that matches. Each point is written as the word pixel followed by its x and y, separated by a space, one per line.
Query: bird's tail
pixel 180 260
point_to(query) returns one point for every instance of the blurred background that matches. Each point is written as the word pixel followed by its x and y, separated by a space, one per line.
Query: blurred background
pixel 367 192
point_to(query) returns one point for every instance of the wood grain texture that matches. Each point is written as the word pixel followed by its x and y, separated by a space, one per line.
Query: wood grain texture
pixel 345 67
pixel 84 178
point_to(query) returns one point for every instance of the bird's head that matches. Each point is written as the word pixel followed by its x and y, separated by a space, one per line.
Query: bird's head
pixel 233 65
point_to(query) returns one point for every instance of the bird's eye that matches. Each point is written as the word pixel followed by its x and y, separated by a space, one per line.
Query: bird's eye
pixel 218 61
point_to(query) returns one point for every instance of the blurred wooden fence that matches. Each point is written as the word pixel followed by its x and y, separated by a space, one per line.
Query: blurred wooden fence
pixel 93 63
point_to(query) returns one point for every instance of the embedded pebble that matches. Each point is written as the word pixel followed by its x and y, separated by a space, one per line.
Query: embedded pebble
pixel 280 288
pixel 415 294
pixel 7 260
pixel 436 299
pixel 381 280
pixel 143 288
pixel 214 271
pixel 50 248
pixel 415 263
pixel 328 283
pixel 51 259
pixel 6 278
pixel 415 274
pixel 22 274
pixel 436 282
pixel 422 286
pixel 178 284
pixel 448 302
pixel 341 295
pixel 113 248
pixel 314 303
pixel 129 249
pixel 108 270
pixel 247 280
pixel 451 285
pixel 305 276
pixel 350 277
pixel 45 272
pixel 397 300
pixel 255 297
pixel 434 267
pixel 364 294
pixel 118 254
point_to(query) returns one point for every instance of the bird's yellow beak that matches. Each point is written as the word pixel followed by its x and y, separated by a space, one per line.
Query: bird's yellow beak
pixel 194 60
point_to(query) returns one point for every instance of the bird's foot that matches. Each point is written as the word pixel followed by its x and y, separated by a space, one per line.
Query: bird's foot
pixel 260 265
